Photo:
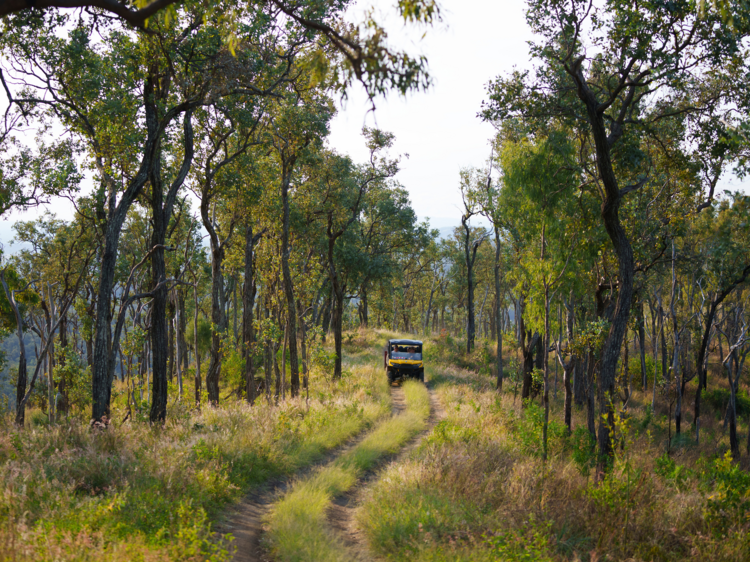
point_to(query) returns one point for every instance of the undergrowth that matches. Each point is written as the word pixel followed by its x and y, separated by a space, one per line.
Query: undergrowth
pixel 477 489
pixel 297 525
pixel 141 492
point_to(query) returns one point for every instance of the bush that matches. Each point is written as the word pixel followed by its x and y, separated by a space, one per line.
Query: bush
pixel 634 369
pixel 718 398
pixel 583 445
pixel 729 505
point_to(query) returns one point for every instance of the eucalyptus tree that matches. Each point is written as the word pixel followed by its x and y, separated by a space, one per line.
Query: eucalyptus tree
pixel 387 228
pixel 537 174
pixel 340 191
pixel 57 259
pixel 721 243
pixel 236 85
pixel 617 69
pixel 299 126
pixel 16 296
pixel 471 243
pixel 106 96
pixel 491 209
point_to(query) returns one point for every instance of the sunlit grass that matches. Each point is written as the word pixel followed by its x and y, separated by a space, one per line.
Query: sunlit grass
pixel 297 525
pixel 141 492
pixel 478 489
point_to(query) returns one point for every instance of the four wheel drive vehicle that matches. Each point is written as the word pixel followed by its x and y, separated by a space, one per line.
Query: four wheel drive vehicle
pixel 403 359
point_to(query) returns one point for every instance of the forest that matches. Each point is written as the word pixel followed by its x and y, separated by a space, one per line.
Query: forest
pixel 193 363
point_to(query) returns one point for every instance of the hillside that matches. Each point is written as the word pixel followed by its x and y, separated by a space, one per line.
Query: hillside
pixel 472 486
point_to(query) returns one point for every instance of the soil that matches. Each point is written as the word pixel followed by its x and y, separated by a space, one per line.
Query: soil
pixel 341 514
pixel 245 520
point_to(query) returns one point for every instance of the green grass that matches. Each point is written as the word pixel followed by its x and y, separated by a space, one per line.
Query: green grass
pixel 477 488
pixel 298 530
pixel 137 492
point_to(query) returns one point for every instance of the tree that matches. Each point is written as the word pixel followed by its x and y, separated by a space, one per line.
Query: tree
pixel 641 69
pixel 470 247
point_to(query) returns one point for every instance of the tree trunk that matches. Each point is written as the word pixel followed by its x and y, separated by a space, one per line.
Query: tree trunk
pixel 590 403
pixel 545 369
pixel 642 346
pixel 338 314
pixel 365 320
pixel 610 217
pixel 498 314
pixel 198 382
pixel 21 382
pixel 116 213
pixel 159 328
pixel 248 300
pixel 288 287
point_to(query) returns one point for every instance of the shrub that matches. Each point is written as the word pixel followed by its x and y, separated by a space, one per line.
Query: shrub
pixel 718 398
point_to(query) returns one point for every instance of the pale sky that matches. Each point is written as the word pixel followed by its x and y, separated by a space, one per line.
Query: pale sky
pixel 439 129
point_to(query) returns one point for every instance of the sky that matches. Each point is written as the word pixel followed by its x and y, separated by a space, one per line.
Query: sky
pixel 476 41
pixel 439 128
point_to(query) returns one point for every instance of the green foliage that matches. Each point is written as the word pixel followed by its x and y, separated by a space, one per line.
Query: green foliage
pixel 529 431
pixel 527 544
pixel 591 336
pixel 72 369
pixel 583 449
pixel 447 432
pixel 679 475
pixel 718 398
pixel 729 505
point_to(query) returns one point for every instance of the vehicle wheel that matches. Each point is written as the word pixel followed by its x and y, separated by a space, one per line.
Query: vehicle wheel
pixel 421 376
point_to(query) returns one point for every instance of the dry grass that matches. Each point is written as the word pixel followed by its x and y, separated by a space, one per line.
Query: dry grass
pixel 136 492
pixel 297 524
pixel 478 490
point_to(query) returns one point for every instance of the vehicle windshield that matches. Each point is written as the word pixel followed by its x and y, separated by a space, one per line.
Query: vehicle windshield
pixel 410 352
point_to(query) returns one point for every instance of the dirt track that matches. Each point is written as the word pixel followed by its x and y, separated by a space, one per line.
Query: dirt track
pixel 245 521
pixel 341 513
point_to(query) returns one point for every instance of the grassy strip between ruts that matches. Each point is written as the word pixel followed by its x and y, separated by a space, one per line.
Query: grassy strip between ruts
pixel 136 492
pixel 297 523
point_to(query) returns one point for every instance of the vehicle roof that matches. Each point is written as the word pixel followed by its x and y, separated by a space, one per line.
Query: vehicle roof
pixel 406 342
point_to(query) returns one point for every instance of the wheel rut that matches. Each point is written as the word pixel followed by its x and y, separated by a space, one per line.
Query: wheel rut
pixel 342 511
pixel 245 520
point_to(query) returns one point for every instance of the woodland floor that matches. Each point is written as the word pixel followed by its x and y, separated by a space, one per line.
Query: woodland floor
pixel 467 484
pixel 245 521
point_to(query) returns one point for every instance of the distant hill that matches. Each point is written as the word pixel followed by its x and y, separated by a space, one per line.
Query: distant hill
pixel 9 347
pixel 446 232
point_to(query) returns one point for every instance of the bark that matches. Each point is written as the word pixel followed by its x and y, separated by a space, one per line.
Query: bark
pixel 429 307
pixel 590 403
pixel 21 382
pixel 701 362
pixel 498 313
pixel 655 347
pixel 62 385
pixel 610 217
pixel 364 306
pixel 115 218
pixel 529 352
pixel 546 371
pixel 248 300
pixel 470 256
pixel 162 205
pixel 642 346
pixel 198 382
pixel 181 328
pixel 288 286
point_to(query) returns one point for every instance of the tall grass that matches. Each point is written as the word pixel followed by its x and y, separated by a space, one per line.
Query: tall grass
pixel 297 523
pixel 478 489
pixel 141 492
